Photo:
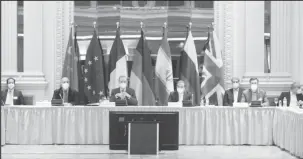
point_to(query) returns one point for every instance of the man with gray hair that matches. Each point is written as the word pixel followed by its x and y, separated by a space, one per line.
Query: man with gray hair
pixel 124 93
pixel 292 96
pixel 181 94
pixel 234 94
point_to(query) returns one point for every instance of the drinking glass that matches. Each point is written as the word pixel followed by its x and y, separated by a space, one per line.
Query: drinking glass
pixel 276 101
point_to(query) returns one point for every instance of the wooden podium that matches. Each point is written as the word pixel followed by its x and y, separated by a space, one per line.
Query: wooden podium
pixel 119 125
pixel 143 137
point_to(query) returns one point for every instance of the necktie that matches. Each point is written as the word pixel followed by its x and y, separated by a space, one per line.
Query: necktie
pixel 65 97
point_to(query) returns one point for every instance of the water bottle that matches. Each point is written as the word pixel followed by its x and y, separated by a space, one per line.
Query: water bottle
pixel 206 102
pixel 280 103
pixel 285 102
pixel 202 102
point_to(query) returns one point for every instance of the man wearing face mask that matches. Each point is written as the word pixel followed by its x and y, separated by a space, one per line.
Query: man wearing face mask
pixel 11 96
pixel 124 93
pixel 234 94
pixel 300 95
pixel 67 94
pixel 181 94
pixel 291 96
pixel 254 93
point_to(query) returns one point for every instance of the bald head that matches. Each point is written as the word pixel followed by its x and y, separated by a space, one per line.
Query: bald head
pixel 180 86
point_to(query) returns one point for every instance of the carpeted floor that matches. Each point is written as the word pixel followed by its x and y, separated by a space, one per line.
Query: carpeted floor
pixel 103 152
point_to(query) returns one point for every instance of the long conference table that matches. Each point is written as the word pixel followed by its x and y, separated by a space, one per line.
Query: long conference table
pixel 37 125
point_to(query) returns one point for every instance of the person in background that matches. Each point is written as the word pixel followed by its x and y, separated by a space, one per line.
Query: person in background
pixel 181 94
pixel 11 96
pixel 300 95
pixel 291 96
pixel 254 93
pixel 234 94
pixel 124 93
pixel 67 94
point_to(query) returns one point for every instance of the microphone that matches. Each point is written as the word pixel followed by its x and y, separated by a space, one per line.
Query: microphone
pixel 61 98
pixel 192 99
pixel 124 90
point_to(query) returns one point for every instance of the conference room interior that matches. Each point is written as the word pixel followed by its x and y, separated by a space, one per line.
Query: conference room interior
pixel 255 39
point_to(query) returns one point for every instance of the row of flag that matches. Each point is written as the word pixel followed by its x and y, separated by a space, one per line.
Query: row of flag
pixel 95 82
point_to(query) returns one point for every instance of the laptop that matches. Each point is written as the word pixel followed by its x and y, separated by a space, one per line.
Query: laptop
pixel 120 103
pixel 187 103
pixel 57 102
pixel 255 104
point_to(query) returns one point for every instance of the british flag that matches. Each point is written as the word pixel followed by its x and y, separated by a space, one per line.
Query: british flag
pixel 212 86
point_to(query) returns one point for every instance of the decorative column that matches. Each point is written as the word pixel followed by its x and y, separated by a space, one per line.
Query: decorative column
pixel 64 18
pixel 248 48
pixel 296 50
pixel 9 37
pixel 254 37
pixel 281 42
pixel 33 34
pixel 32 81
pixel 239 31
pixel 223 18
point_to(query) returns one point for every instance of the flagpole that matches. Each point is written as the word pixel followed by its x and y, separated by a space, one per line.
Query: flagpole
pixel 164 28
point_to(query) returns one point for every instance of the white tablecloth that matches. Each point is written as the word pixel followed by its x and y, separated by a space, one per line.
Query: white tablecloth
pixel 2 127
pixel 90 125
pixel 288 130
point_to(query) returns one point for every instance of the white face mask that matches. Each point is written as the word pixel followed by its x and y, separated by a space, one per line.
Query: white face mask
pixel 235 85
pixel 11 86
pixel 254 87
pixel 122 85
pixel 65 86
pixel 180 90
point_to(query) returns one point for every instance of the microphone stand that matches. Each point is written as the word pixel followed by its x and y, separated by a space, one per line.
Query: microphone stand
pixel 61 98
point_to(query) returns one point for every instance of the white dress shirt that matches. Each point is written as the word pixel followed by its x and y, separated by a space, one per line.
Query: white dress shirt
pixel 65 96
pixel 236 92
pixel 180 97
pixel 10 97
pixel 293 99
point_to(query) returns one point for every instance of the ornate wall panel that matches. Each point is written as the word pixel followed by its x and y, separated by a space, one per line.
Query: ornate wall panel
pixel 228 39
pixel 64 18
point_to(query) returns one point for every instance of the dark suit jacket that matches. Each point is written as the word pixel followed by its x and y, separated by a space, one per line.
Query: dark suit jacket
pixel 287 95
pixel 17 94
pixel 247 95
pixel 131 101
pixel 72 95
pixel 228 99
pixel 174 96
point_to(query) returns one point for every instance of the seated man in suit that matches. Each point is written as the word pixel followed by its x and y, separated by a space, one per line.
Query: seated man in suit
pixel 254 93
pixel 181 94
pixel 234 94
pixel 124 93
pixel 291 96
pixel 11 96
pixel 300 95
pixel 67 94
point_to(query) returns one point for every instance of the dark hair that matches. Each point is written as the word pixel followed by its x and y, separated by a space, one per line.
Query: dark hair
pixel 9 79
pixel 253 79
